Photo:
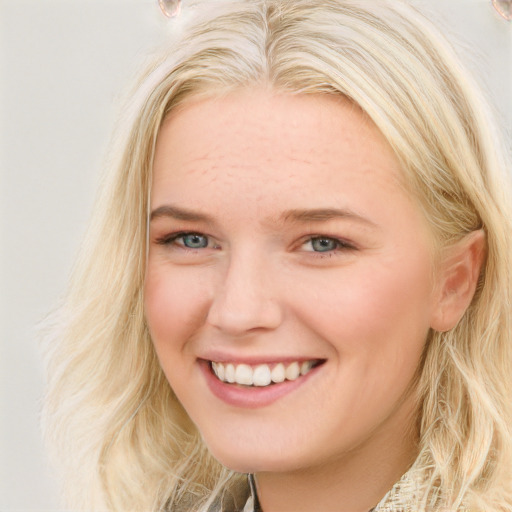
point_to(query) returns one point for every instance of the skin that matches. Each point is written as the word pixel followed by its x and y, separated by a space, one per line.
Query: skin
pixel 249 161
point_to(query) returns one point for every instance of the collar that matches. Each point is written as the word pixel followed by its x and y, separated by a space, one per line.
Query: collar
pixel 399 495
pixel 252 504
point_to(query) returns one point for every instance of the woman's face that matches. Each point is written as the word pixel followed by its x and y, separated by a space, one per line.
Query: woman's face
pixel 284 246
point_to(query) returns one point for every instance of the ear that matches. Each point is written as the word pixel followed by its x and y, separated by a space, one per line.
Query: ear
pixel 456 280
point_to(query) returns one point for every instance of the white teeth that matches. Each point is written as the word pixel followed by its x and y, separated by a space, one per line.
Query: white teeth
pixel 278 373
pixel 305 367
pixel 292 371
pixel 243 374
pixel 260 375
pixel 221 371
pixel 229 374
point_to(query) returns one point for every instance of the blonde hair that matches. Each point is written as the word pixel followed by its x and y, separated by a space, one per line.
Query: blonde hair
pixel 124 441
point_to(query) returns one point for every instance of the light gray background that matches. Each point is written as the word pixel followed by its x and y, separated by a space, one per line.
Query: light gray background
pixel 63 65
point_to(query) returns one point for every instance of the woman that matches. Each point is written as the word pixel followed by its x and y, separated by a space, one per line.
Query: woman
pixel 297 269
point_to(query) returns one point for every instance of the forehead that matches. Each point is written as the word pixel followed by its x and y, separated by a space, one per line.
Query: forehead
pixel 261 142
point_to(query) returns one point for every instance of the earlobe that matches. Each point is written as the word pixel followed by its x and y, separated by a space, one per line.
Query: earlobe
pixel 457 280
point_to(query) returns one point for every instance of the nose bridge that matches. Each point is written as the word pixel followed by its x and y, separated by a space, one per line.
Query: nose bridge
pixel 246 298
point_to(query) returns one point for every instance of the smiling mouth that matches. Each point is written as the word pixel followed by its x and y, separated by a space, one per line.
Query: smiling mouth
pixel 262 375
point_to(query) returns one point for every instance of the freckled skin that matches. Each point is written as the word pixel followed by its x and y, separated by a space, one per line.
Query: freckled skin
pixel 259 289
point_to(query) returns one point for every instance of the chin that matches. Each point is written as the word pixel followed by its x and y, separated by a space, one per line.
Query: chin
pixel 253 459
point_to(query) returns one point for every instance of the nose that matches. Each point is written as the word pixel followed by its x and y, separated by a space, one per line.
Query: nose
pixel 246 301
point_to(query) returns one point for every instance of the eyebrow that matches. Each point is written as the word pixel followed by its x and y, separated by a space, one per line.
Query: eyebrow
pixel 179 214
pixel 294 215
pixel 323 215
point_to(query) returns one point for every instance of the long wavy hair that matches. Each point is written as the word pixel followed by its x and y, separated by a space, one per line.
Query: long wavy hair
pixel 122 438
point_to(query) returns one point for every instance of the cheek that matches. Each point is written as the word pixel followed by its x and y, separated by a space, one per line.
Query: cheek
pixel 378 308
pixel 176 304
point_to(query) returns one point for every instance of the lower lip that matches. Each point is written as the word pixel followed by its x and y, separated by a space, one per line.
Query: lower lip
pixel 251 397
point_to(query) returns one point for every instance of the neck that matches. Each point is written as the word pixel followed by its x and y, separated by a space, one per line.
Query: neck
pixel 353 482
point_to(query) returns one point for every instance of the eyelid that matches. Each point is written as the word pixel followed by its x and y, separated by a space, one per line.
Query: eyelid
pixel 170 238
pixel 342 244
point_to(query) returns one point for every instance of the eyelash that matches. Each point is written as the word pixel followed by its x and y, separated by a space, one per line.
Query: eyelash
pixel 340 245
pixel 173 237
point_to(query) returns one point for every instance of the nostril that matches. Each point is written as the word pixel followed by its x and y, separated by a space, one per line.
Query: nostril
pixel 239 316
pixel 245 299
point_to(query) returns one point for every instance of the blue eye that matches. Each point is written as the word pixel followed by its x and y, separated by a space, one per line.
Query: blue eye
pixel 185 240
pixel 194 240
pixel 324 244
